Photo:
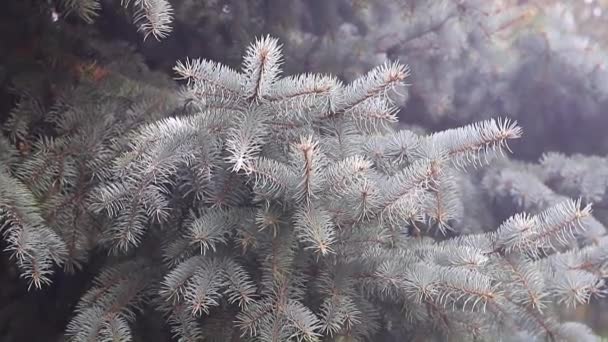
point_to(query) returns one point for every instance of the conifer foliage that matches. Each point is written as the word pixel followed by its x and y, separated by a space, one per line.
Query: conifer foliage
pixel 292 209
pixel 152 17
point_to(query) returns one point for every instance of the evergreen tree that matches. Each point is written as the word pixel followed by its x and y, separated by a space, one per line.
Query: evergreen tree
pixel 252 206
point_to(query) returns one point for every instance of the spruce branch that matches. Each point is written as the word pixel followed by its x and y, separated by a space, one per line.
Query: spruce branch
pixel 474 144
pixel 34 246
pixel 87 10
pixel 261 67
pixel 153 17
pixel 315 229
pixel 245 140
pixel 546 231
pixel 218 83
pixel 106 310
pixel 308 162
pixel 376 84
